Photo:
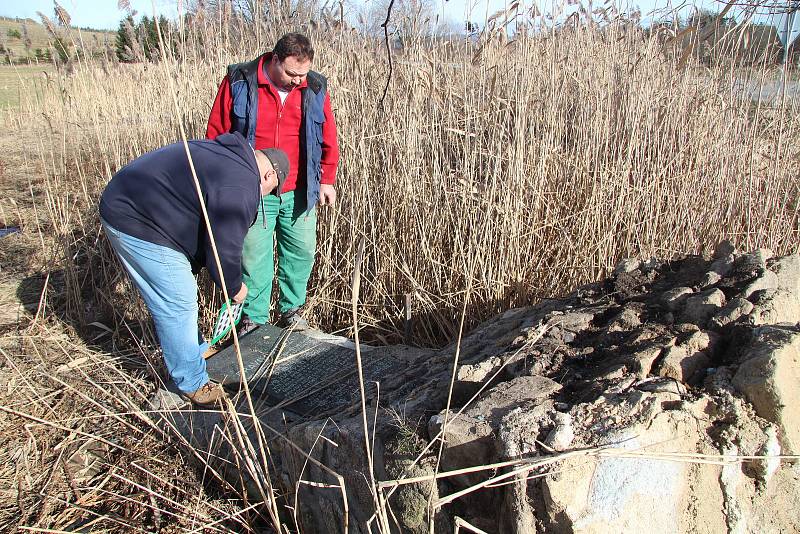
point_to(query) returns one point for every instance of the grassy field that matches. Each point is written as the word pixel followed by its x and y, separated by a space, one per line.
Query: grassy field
pixel 42 39
pixel 17 78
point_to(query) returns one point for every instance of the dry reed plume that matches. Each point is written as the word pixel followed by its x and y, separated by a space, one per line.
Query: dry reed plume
pixel 515 168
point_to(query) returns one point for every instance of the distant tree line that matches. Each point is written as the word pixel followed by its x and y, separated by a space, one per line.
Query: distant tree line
pixel 139 41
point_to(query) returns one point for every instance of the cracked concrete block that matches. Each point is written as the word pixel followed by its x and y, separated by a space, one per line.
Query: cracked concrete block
pixel 700 308
pixel 732 312
pixel 769 376
pixel 674 298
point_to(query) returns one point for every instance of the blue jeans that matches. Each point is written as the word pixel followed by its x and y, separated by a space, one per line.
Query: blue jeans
pixel 164 278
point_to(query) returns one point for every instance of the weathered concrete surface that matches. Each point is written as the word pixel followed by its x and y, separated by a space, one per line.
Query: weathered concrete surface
pixel 692 356
pixel 769 377
pixel 631 494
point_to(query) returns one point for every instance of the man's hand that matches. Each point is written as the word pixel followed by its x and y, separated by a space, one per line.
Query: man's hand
pixel 241 295
pixel 327 195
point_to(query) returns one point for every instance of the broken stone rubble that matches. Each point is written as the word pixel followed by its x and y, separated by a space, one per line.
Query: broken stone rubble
pixel 696 356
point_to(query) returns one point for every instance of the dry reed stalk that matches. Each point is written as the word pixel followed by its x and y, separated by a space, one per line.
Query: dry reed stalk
pixel 445 422
pixel 532 107
pixel 383 523
pixel 461 523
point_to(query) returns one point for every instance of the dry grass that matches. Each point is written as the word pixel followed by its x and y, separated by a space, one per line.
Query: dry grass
pixel 40 38
pixel 75 459
pixel 17 78
pixel 515 169
pixel 544 161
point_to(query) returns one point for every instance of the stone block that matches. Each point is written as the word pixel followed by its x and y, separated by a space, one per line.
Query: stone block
pixel 700 342
pixel 628 265
pixel 723 265
pixel 724 249
pixel 562 435
pixel 572 321
pixel 775 306
pixel 752 261
pixel 700 308
pixel 732 312
pixel 674 298
pixel 787 269
pixel 644 359
pixel 709 279
pixel 680 364
pixel 629 318
pixel 767 280
pixel 479 371
pixel 768 377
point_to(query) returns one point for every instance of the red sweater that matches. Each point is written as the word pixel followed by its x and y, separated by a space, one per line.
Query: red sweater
pixel 279 126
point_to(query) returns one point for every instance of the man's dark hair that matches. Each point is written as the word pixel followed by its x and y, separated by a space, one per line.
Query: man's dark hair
pixel 294 44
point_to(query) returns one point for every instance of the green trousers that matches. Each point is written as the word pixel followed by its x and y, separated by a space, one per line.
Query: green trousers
pixel 284 225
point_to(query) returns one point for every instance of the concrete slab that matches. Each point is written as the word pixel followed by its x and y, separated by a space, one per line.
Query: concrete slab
pixel 308 373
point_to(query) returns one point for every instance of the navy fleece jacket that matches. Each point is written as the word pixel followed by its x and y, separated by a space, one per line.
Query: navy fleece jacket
pixel 154 199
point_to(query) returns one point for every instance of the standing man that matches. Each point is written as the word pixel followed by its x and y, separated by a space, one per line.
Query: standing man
pixel 277 101
pixel 151 214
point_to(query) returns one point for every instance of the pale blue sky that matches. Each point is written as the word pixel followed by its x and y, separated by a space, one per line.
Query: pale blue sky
pixel 100 14
pixel 105 13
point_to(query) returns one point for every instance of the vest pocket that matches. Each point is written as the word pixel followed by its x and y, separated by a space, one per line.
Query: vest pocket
pixel 318 130
pixel 239 96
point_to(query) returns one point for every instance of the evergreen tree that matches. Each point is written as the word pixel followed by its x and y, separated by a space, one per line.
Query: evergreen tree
pixel 124 44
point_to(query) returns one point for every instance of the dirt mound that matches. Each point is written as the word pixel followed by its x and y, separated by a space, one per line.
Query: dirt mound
pixel 635 404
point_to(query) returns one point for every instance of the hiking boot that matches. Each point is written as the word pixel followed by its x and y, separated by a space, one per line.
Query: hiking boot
pixel 208 395
pixel 246 325
pixel 292 319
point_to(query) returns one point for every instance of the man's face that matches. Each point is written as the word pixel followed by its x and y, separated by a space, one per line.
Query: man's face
pixel 269 180
pixel 289 73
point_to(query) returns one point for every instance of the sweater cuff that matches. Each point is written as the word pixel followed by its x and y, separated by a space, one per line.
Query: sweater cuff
pixel 328 174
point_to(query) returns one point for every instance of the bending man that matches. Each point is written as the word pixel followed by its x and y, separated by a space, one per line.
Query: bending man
pixel 151 214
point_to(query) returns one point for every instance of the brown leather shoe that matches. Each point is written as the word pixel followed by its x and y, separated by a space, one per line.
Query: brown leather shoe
pixel 208 395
